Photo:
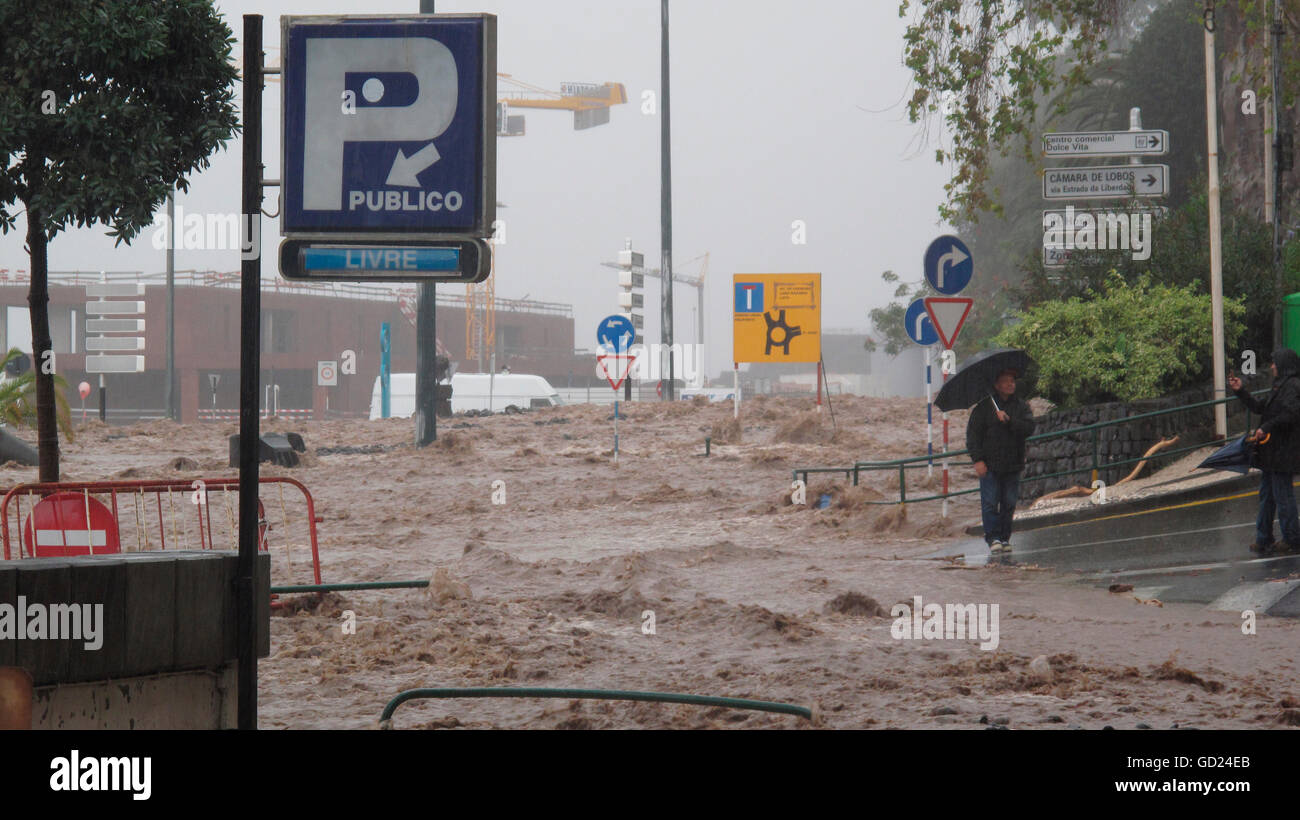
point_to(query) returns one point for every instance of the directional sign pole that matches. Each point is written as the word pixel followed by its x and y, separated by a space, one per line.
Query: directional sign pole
pixel 944 512
pixel 929 419
pixel 665 203
pixel 1216 239
pixel 426 346
pixel 735 390
pixel 250 322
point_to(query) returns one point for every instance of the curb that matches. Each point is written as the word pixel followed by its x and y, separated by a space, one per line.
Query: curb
pixel 1232 485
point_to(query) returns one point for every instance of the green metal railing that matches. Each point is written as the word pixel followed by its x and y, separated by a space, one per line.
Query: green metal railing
pixel 916 462
pixel 385 719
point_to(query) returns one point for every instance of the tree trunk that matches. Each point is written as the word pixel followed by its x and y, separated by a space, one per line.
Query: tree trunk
pixel 38 298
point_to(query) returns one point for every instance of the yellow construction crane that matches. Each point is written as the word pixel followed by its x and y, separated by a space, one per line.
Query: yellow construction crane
pixel 590 103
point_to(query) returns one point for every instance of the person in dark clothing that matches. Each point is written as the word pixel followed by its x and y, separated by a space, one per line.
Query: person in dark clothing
pixel 1277 451
pixel 995 436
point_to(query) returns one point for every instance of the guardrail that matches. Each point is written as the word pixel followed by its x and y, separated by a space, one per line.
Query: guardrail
pixel 183 521
pixel 854 472
pixel 386 718
pixel 218 414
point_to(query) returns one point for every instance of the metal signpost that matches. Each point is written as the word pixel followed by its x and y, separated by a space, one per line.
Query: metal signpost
pixel 921 330
pixel 1100 182
pixel 615 335
pixel 388 156
pixel 948 267
pixel 113 354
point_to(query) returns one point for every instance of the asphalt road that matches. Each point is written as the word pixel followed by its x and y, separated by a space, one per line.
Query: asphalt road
pixel 1187 547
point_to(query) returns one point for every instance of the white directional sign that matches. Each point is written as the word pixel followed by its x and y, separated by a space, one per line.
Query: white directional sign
pixel 1106 182
pixel 103 308
pixel 1105 143
pixel 102 290
pixel 115 364
pixel 101 343
pixel 100 349
pixel 115 325
pixel 1060 257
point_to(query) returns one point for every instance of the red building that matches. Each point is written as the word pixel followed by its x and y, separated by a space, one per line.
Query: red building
pixel 302 324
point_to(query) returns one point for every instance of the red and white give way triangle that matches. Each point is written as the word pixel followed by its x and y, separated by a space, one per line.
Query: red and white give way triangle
pixel 615 367
pixel 948 314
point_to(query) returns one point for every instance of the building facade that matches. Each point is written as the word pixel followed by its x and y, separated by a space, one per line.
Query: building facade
pixel 302 324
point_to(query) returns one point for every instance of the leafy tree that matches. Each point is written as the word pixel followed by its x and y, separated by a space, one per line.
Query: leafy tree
pixel 105 107
pixel 1131 341
pixel 987 67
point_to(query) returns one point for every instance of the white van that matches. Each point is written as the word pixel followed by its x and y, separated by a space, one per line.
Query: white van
pixel 469 391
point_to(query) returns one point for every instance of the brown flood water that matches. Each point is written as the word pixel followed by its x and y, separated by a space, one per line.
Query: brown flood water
pixel 748 592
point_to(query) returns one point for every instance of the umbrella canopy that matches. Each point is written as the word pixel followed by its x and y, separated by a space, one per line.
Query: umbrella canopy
pixel 1235 456
pixel 974 380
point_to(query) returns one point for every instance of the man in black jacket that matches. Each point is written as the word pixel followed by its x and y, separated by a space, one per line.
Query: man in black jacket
pixel 1278 451
pixel 995 436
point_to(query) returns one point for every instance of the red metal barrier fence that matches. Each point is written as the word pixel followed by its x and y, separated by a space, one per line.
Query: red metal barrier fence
pixel 143 515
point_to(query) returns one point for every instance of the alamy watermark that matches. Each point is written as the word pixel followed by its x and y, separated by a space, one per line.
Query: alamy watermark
pixel 933 622
pixel 206 231
pixel 650 362
pixel 1098 230
pixel 53 622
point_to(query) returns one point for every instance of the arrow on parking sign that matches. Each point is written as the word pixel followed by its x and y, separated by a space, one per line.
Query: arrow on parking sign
pixel 406 169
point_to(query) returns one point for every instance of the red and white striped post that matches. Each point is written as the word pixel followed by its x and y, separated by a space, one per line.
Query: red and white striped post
pixel 945 448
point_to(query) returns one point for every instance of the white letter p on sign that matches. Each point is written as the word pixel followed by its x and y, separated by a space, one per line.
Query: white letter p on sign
pixel 328 62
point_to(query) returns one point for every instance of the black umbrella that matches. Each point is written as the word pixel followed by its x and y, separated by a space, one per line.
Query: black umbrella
pixel 1236 456
pixel 974 379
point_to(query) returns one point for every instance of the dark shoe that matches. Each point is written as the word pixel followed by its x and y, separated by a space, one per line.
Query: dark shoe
pixel 1291 548
pixel 1263 549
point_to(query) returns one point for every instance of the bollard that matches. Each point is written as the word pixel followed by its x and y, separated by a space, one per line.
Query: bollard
pixel 707 441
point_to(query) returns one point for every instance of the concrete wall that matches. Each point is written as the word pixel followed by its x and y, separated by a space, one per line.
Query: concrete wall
pixel 166 637
pixel 1075 452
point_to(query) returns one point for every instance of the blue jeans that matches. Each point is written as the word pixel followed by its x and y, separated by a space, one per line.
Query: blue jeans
pixel 1277 494
pixel 998 494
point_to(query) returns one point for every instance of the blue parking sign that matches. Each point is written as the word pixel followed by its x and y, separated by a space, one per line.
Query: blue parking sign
pixel 389 125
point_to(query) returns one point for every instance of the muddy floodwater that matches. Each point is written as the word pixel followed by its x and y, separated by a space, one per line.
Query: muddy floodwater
pixel 671 571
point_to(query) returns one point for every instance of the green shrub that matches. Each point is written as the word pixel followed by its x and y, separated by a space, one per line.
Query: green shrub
pixel 1130 341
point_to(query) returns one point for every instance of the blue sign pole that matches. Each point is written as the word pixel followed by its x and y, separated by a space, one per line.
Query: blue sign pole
pixel 385 346
pixel 929 419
